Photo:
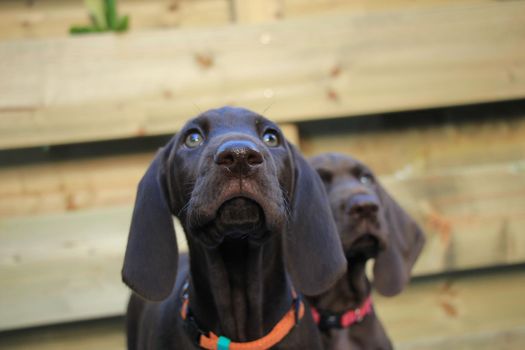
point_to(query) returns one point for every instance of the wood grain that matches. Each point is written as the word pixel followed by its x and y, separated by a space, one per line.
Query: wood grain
pixel 56 91
pixel 423 141
pixel 70 257
pixel 61 268
pixel 437 312
pixel 479 207
pixel 53 18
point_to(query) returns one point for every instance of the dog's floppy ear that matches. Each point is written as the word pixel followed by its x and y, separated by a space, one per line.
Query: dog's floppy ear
pixel 150 262
pixel 313 252
pixel 405 241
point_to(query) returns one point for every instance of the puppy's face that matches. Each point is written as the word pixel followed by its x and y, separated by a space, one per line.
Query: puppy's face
pixel 232 174
pixel 355 203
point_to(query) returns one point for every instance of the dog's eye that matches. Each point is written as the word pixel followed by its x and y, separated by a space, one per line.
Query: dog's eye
pixel 366 179
pixel 194 139
pixel 326 176
pixel 270 138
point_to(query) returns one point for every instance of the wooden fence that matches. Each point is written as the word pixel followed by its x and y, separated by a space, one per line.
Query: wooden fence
pixel 331 72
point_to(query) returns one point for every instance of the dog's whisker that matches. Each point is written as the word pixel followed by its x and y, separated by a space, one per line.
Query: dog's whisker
pixel 268 107
pixel 197 107
pixel 184 208
pixel 286 204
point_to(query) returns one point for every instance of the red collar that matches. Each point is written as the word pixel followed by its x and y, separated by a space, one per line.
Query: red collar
pixel 327 320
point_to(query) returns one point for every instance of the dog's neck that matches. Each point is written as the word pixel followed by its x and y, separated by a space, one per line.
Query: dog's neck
pixel 246 291
pixel 350 291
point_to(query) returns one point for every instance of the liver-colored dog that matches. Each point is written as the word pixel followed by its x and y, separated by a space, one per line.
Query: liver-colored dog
pixel 258 225
pixel 371 226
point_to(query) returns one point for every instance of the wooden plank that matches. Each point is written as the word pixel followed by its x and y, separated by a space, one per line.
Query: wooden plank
pixel 423 141
pixel 418 142
pixel 68 266
pixel 256 11
pixel 416 148
pixel 149 83
pixel 461 208
pixel 302 8
pixel 478 312
pixel 101 334
pixel 71 185
pixel 476 307
pixel 512 339
pixel 71 257
pixel 53 18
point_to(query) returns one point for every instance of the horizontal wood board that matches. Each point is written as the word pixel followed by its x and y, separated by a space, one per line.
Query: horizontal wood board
pixel 73 259
pixel 106 87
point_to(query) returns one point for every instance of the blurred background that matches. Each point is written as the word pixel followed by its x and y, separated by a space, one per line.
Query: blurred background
pixel 430 94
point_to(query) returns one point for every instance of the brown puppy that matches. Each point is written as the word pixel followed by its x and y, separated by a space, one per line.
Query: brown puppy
pixel 371 226
pixel 254 214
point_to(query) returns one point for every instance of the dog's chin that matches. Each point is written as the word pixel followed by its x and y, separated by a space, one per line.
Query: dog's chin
pixel 239 218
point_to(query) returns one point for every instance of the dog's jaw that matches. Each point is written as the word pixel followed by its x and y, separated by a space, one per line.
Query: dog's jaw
pixel 240 218
pixel 203 211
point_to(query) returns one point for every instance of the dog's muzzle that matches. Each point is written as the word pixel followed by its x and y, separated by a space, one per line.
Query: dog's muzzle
pixel 237 217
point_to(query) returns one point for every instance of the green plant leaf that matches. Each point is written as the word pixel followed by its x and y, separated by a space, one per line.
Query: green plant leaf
pixel 111 13
pixel 82 30
pixel 103 16
pixel 97 13
pixel 123 24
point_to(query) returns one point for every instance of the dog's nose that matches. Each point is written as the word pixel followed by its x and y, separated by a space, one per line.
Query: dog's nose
pixel 362 205
pixel 238 156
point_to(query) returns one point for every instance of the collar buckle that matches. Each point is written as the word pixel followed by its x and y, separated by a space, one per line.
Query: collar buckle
pixel 297 303
pixel 192 329
pixel 358 315
pixel 331 321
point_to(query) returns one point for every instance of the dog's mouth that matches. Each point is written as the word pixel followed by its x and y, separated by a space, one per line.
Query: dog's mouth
pixel 366 246
pixel 239 217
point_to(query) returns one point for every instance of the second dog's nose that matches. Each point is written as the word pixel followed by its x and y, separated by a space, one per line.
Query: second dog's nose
pixel 362 205
pixel 238 156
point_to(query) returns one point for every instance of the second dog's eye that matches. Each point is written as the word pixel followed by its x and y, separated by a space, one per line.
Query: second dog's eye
pixel 270 138
pixel 325 175
pixel 194 139
pixel 366 179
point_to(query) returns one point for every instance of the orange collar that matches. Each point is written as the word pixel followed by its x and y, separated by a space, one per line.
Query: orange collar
pixel 210 341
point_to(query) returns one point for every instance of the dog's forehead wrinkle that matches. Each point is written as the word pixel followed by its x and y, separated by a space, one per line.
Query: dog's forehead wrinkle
pixel 200 122
pixel 342 193
pixel 231 116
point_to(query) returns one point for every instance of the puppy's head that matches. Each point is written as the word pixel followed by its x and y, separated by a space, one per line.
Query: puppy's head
pixel 230 175
pixel 355 203
pixel 370 223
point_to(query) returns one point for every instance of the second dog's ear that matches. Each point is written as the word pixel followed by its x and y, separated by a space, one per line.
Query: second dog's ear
pixel 394 264
pixel 313 252
pixel 150 263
